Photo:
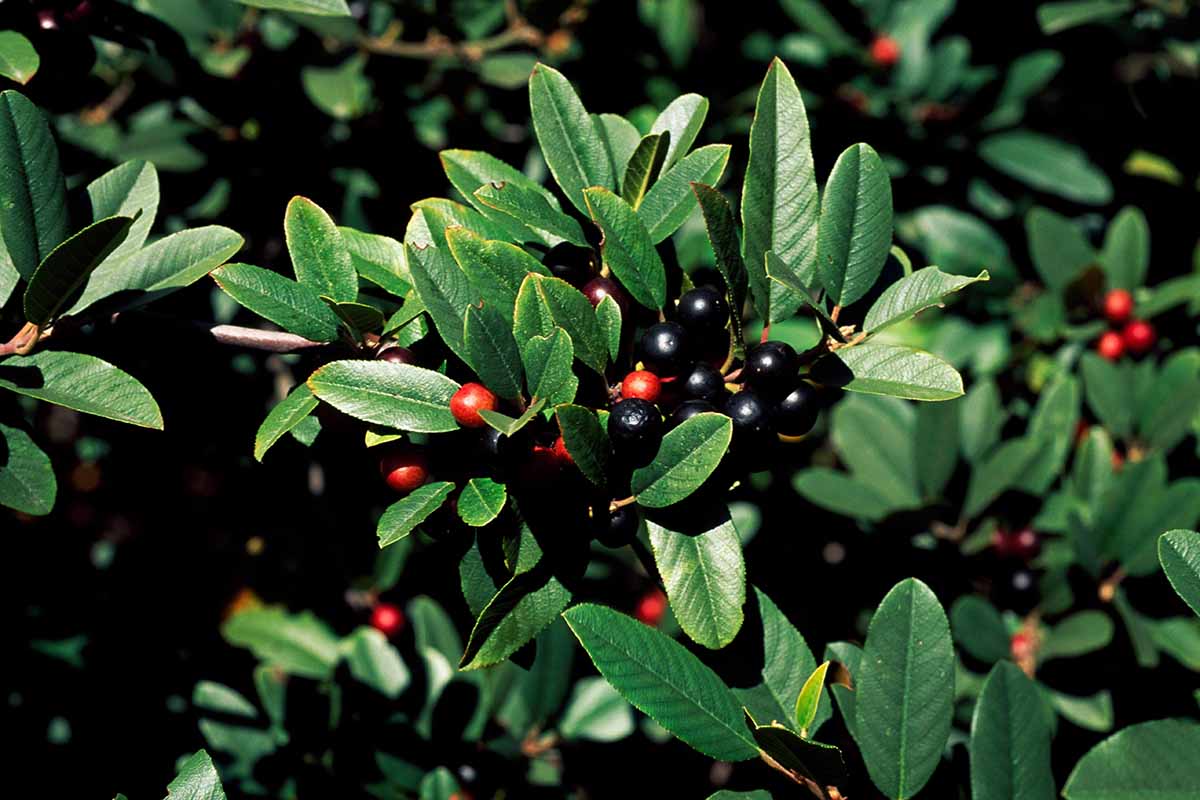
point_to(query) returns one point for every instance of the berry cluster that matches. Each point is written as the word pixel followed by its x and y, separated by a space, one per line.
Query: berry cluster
pixel 1135 336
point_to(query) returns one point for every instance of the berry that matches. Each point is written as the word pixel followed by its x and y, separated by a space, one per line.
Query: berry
pixel 703 311
pixel 404 470
pixel 885 51
pixel 1019 592
pixel 771 367
pixel 619 528
pixel 750 415
pixel 664 348
pixel 1118 306
pixel 642 385
pixel 1021 646
pixel 468 401
pixel 687 410
pixel 599 288
pixel 387 619
pixel 1111 346
pixel 570 263
pixel 561 453
pixel 651 607
pixel 634 423
pixel 796 413
pixel 542 467
pixel 1023 544
pixel 397 355
pixel 1117 460
pixel 1138 336
pixel 703 382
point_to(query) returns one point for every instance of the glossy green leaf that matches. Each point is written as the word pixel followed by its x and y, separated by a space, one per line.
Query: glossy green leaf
pixel 722 231
pixel 378 259
pixel 1179 554
pixel 682 119
pixel 286 415
pixel 19 60
pixel 856 224
pixel 27 481
pixel 471 170
pixel 687 456
pixel 890 370
pixel 596 713
pixel 936 446
pixel 1109 390
pixel 83 383
pixel 643 168
pixel 1148 761
pixel 1010 739
pixel 1125 255
pixel 510 425
pixel 922 289
pixel 525 605
pixel 671 199
pixel 809 699
pixel 957 242
pixel 492 351
pixel 999 471
pixel 546 303
pixel 319 254
pixel 445 290
pixel 659 677
pixel 481 501
pixel 627 248
pixel 568 135
pixel 620 139
pixel 519 202
pixel 64 270
pixel 586 441
pixel 374 661
pixel 404 516
pixel 325 8
pixel 197 780
pixel 704 573
pixel 497 269
pixel 876 438
pixel 608 314
pixel 1059 248
pixel 1059 16
pixel 1077 635
pixel 1048 165
pixel 33 196
pixel 128 190
pixel 979 629
pixel 295 307
pixel 433 215
pixel 299 644
pixel 842 494
pixel 820 763
pixel 398 396
pixel 905 690
pixel 548 361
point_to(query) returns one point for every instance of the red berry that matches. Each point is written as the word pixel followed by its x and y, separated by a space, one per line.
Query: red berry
pixel 1111 346
pixel 1021 646
pixel 1138 336
pixel 1025 544
pixel 468 401
pixel 542 467
pixel 642 385
pixel 885 51
pixel 387 619
pixel 651 607
pixel 1118 306
pixel 1082 429
pixel 1118 461
pixel 404 470
pixel 561 453
pixel 599 288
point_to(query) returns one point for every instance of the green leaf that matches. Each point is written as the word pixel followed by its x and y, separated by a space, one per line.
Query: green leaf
pixel 1093 713
pixel 1109 389
pixel 402 517
pixel 596 713
pixel 705 576
pixel 299 644
pixel 342 91
pixel 569 137
pixel 891 370
pixel 682 119
pixel 18 60
pixel 481 501
pixel 809 699
pixel 546 303
pixel 378 259
pixel 470 171
pixel 197 780
pixel 1077 635
pixel 923 289
pixel 1060 250
pixel 83 383
pixel 905 690
pixel 324 8
pixel 496 268
pixel 1000 470
pixel 722 231
pixel 627 248
pixel 548 361
pixel 979 629
pixel 286 414
pixel 856 224
pixel 399 396
pixel 26 476
pixel 510 425
pixel 445 290
pixel 293 306
pixel 876 439
pixel 1048 165
pixel 517 201
pixel 936 446
pixel 529 602
pixel 433 215
pixel 127 191
pixel 586 441
pixel 959 243
pixel 67 266
pixel 1179 554
pixel 169 264
pixel 374 661
pixel 319 254
pixel 1010 739
pixel 982 418
pixel 820 763
pixel 841 493
pixel 1059 16
pixel 1149 761
pixel 780 208
pixel 659 677
pixel 1125 255
pixel 33 196
pixel 359 318
pixel 608 314
pixel 671 200
pixel 620 139
pixel 492 351
pixel 687 456
pixel 1027 76
pixel 643 168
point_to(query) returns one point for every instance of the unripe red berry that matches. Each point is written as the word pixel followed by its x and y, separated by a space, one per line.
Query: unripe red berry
pixel 885 51
pixel 404 470
pixel 468 401
pixel 1139 336
pixel 1026 544
pixel 1118 461
pixel 1118 306
pixel 560 452
pixel 387 619
pixel 643 385
pixel 1111 346
pixel 651 607
pixel 1021 646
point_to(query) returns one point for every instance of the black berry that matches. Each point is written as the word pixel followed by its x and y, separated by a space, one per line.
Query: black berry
pixel 703 382
pixel 397 355
pixel 599 288
pixel 750 414
pixel 703 311
pixel 771 367
pixel 687 410
pixel 664 348
pixel 619 528
pixel 634 424
pixel 569 262
pixel 796 413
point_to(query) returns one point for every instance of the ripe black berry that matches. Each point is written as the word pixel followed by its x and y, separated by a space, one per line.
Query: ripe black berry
pixel 634 424
pixel 664 348
pixel 703 311
pixel 771 367
pixel 796 413
pixel 750 414
pixel 703 382
pixel 619 528
pixel 687 410
pixel 569 262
